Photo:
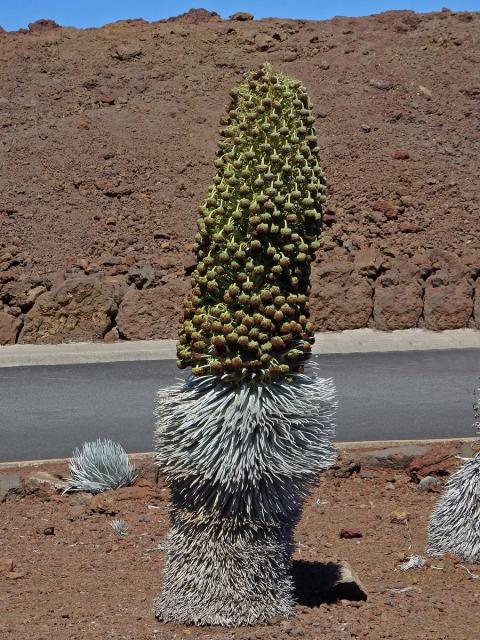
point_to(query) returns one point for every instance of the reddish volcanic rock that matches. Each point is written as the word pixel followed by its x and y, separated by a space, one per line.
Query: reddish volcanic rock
pixel 9 328
pixel 79 310
pixel 42 25
pixel 447 306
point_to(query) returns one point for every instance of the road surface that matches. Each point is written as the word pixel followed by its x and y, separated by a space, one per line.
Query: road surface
pixel 47 411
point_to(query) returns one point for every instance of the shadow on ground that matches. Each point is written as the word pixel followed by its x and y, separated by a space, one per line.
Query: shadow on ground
pixel 317 582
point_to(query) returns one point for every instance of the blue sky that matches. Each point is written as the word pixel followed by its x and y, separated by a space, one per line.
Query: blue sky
pixel 15 14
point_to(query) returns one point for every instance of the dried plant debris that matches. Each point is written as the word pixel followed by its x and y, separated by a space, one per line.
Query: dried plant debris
pixel 413 562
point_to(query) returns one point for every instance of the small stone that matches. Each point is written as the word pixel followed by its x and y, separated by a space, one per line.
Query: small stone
pixel 409 227
pixel 429 483
pixel 424 91
pixel 324 65
pixel 367 475
pixel 139 85
pixel 348 534
pixel 407 201
pixel 383 205
pixel 49 531
pixel 107 99
pixel 111 221
pixel 383 85
pixel 400 154
pixel 111 336
pixel 104 503
pixel 321 114
pixel 348 470
pixel 290 56
pixel 15 575
pixel 6 565
pixel 391 214
pixel 76 512
pixel 366 128
pixel 399 516
pixel 368 261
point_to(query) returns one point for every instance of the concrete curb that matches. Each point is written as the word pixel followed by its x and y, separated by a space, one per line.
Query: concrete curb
pixel 351 341
pixel 342 446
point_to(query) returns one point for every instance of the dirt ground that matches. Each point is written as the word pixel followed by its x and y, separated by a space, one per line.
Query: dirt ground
pixel 83 583
pixel 107 138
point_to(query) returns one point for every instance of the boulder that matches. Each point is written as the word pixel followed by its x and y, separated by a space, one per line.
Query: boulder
pixel 22 293
pixel 147 314
pixel 241 16
pixel 449 263
pixel 447 306
pixel 397 306
pixel 127 51
pixel 440 460
pixel 44 24
pixel 79 310
pixel 341 298
pixel 43 484
pixel 196 16
pixel 9 328
pixel 396 457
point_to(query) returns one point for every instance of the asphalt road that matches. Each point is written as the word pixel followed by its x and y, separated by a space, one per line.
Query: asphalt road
pixel 47 411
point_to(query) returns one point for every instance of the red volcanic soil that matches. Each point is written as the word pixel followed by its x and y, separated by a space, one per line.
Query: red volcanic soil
pixel 80 582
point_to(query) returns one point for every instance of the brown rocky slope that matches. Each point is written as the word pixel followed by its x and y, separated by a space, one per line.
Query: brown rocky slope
pixel 107 138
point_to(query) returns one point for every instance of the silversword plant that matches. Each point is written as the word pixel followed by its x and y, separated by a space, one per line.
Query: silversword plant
pixel 454 526
pixel 119 527
pixel 242 439
pixel 98 466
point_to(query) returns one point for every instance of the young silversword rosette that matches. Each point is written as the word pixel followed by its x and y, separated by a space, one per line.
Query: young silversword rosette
pixel 247 314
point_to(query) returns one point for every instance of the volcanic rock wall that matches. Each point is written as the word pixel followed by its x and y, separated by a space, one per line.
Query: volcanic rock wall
pixel 107 138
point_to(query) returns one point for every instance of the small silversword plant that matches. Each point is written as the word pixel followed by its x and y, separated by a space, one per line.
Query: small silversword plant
pixel 98 466
pixel 119 527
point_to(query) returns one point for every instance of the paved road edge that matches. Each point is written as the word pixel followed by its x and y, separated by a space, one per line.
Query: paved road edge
pixel 343 446
pixel 351 341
